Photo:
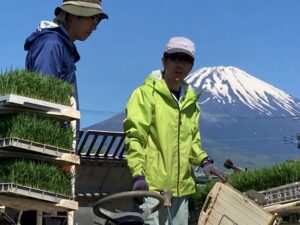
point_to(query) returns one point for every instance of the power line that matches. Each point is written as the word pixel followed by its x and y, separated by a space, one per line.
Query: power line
pixel 250 139
pixel 285 139
pixel 254 145
pixel 97 112
pixel 251 142
pixel 105 112
pixel 293 117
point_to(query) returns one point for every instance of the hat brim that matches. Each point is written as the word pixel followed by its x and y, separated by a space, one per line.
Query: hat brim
pixel 80 11
pixel 179 50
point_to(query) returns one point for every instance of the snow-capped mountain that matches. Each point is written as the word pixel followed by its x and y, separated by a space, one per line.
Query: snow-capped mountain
pixel 242 118
pixel 230 85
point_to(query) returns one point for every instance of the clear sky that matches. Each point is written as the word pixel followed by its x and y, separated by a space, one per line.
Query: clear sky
pixel 261 37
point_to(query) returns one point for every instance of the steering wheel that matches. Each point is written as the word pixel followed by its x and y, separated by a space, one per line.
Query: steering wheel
pixel 127 218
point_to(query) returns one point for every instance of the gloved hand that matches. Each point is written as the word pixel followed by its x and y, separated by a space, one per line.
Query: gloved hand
pixel 210 169
pixel 140 184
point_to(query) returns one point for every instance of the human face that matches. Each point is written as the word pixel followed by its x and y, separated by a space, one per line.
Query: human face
pixel 177 66
pixel 80 28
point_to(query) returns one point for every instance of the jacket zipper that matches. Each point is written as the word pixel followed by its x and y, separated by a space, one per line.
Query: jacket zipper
pixel 178 150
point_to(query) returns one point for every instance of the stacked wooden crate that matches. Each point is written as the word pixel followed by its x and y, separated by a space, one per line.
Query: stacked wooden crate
pixel 37 143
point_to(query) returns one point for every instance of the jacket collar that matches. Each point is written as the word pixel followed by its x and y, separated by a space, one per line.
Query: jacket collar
pixel 188 94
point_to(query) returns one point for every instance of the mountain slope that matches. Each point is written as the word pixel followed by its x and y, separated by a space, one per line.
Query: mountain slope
pixel 230 85
pixel 242 118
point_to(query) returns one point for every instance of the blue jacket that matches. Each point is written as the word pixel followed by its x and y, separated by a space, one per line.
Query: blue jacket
pixel 52 53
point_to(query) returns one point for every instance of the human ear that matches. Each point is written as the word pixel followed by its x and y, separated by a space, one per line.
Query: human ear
pixel 163 61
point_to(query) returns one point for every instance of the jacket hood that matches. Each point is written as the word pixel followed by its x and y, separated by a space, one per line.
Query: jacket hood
pixel 158 84
pixel 47 28
pixel 46 24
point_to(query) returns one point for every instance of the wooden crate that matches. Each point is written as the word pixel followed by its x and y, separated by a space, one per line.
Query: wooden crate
pixel 227 206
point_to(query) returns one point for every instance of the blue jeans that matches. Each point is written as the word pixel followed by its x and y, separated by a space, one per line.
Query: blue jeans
pixel 179 212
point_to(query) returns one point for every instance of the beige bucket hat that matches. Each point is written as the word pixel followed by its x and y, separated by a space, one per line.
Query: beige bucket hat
pixel 84 8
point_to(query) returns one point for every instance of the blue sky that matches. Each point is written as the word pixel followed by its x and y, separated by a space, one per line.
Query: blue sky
pixel 260 37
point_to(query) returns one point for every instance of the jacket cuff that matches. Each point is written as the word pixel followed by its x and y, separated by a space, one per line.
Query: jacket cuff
pixel 138 177
pixel 206 161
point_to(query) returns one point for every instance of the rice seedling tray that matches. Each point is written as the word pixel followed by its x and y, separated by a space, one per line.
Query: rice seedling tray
pixel 9 147
pixel 282 194
pixel 26 198
pixel 11 103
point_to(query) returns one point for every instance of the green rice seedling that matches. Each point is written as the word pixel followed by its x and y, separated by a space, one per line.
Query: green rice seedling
pixel 259 179
pixel 268 177
pixel 34 85
pixel 36 174
pixel 197 199
pixel 37 128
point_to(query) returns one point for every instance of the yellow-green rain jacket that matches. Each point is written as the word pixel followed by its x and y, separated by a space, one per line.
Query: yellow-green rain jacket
pixel 162 136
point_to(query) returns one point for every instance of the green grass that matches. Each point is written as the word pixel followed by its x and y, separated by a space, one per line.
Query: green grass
pixel 258 179
pixel 36 174
pixel 36 128
pixel 34 85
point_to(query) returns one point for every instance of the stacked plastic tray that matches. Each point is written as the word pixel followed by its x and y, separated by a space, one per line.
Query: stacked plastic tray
pixel 282 199
pixel 282 194
pixel 22 197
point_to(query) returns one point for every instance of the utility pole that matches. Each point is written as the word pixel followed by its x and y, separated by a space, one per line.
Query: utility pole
pixel 298 140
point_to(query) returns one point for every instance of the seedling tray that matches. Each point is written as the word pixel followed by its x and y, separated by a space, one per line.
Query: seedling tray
pixel 9 147
pixel 26 198
pixel 10 103
pixel 282 194
pixel 282 199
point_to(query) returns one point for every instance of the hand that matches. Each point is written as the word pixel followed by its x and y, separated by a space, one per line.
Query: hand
pixel 210 169
pixel 140 184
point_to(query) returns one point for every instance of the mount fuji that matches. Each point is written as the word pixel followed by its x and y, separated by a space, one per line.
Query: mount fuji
pixel 242 118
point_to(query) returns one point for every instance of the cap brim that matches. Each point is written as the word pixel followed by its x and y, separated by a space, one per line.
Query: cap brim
pixel 80 11
pixel 179 50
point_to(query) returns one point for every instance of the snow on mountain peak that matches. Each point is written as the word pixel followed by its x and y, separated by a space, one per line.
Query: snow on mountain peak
pixel 230 85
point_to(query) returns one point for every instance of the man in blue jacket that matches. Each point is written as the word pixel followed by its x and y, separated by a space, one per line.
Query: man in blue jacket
pixel 52 52
pixel 51 49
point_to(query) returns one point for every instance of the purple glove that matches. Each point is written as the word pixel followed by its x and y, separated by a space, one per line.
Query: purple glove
pixel 209 169
pixel 139 184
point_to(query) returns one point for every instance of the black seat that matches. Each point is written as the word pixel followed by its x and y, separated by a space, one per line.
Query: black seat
pixel 129 220
pixel 123 218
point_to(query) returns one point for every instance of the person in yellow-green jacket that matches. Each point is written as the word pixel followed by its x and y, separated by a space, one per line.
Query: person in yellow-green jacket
pixel 162 134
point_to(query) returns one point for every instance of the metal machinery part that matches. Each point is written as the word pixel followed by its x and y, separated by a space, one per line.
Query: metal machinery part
pixel 122 218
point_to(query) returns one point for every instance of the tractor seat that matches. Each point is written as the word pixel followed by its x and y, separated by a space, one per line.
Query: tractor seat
pixel 123 218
